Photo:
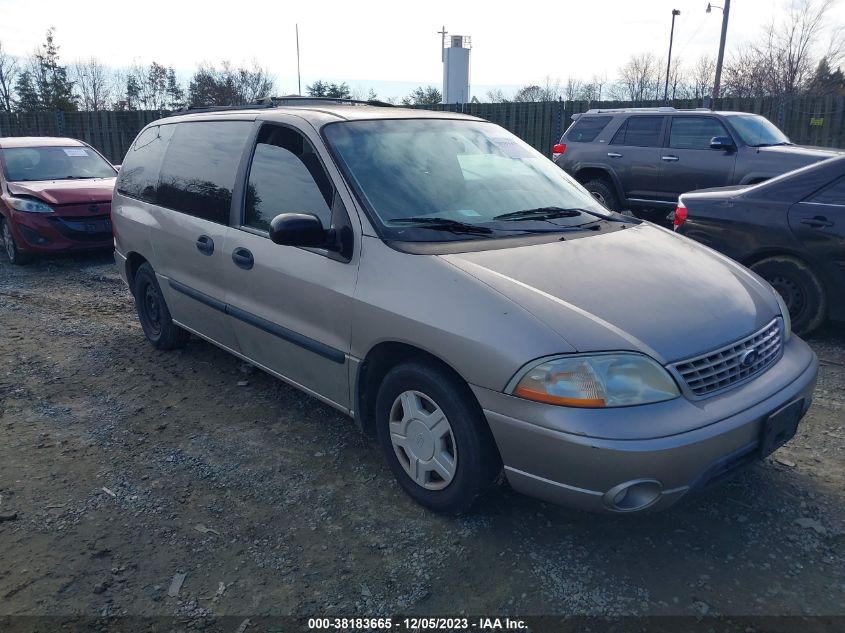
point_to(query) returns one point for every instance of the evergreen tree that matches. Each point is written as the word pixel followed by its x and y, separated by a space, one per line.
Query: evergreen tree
pixel 28 99
pixel 55 89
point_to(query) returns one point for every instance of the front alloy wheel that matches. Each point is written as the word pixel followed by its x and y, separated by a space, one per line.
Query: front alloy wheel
pixel 9 246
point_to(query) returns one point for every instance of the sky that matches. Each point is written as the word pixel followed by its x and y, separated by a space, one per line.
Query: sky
pixel 391 46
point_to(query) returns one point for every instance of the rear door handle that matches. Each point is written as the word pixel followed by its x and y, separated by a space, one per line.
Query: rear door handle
pixel 669 159
pixel 205 245
pixel 817 222
pixel 614 155
pixel 243 258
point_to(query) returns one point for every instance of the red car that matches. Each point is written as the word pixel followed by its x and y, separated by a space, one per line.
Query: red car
pixel 55 195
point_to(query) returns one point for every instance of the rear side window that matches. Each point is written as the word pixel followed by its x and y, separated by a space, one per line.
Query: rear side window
pixel 639 131
pixel 694 132
pixel 200 166
pixel 834 194
pixel 138 176
pixel 587 128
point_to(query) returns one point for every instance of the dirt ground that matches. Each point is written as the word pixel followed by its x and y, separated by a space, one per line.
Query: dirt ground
pixel 121 466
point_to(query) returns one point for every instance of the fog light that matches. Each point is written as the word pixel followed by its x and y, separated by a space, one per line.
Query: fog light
pixel 33 237
pixel 633 495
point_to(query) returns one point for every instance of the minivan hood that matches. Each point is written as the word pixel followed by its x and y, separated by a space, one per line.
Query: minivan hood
pixel 642 289
pixel 60 192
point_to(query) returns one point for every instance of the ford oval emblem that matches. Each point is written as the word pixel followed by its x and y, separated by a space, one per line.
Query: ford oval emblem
pixel 748 358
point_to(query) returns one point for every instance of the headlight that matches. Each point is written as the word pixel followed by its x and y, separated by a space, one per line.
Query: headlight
pixel 28 205
pixel 597 381
pixel 784 312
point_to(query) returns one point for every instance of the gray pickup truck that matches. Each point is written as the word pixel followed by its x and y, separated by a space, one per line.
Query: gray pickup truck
pixel 644 158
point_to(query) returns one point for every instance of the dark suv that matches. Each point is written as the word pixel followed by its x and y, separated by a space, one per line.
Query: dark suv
pixel 644 158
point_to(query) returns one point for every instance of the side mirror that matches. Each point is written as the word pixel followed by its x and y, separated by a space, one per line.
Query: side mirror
pixel 298 229
pixel 724 143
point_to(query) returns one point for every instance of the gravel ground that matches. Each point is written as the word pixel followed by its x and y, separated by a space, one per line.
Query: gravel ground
pixel 122 466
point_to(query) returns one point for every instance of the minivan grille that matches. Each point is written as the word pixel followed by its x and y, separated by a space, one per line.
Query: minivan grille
pixel 706 374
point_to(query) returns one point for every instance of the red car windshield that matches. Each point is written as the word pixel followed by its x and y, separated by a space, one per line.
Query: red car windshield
pixel 54 163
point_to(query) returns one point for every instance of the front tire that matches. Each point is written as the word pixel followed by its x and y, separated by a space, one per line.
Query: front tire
pixel 153 313
pixel 10 247
pixel 800 287
pixel 434 437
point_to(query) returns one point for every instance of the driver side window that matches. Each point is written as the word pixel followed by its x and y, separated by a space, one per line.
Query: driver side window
pixel 286 176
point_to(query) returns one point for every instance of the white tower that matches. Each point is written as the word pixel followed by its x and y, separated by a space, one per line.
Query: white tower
pixel 455 68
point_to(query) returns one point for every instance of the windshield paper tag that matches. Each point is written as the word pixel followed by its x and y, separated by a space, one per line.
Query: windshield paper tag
pixel 511 148
pixel 75 151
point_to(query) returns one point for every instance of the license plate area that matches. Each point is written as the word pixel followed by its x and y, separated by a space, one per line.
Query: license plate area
pixel 780 427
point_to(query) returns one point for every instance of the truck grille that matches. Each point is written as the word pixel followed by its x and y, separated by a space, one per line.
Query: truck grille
pixel 735 363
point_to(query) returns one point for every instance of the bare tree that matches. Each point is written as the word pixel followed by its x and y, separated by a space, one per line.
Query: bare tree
pixel 573 89
pixel 496 95
pixel 639 78
pixel 782 62
pixel 701 77
pixel 549 91
pixel 8 74
pixel 94 84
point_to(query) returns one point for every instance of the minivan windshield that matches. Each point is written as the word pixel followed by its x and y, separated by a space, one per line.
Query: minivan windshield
pixel 757 131
pixel 54 163
pixel 441 179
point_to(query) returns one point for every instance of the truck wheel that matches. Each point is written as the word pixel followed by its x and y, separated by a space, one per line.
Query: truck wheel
pixel 434 436
pixel 603 191
pixel 801 289
pixel 153 313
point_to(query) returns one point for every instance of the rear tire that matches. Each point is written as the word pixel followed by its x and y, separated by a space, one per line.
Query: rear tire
pixel 10 246
pixel 603 191
pixel 434 437
pixel 800 287
pixel 153 313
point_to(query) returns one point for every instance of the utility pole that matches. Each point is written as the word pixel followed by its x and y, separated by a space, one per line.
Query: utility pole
pixel 675 13
pixel 298 75
pixel 442 43
pixel 718 81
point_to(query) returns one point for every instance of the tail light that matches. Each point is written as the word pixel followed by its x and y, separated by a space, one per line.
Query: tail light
pixel 558 150
pixel 680 216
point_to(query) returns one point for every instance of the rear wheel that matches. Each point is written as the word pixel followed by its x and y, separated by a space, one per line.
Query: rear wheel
pixel 603 191
pixel 10 247
pixel 434 436
pixel 153 313
pixel 800 287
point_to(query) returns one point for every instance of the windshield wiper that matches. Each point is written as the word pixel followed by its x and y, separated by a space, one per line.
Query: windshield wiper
pixel 552 213
pixel 443 224
pixel 540 213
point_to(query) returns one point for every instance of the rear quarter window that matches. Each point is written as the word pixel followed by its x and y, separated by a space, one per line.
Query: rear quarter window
pixel 138 176
pixel 200 166
pixel 587 128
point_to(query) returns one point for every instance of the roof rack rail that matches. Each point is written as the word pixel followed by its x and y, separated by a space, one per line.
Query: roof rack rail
pixel 275 102
pixel 610 110
pixel 301 100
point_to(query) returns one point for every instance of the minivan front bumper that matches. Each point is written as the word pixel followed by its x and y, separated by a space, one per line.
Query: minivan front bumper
pixel 550 453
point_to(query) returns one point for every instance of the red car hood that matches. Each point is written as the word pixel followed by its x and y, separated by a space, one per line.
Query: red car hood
pixel 61 192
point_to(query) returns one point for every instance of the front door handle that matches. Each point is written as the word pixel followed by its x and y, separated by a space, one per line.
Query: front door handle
pixel 818 222
pixel 205 245
pixel 669 159
pixel 614 155
pixel 243 258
